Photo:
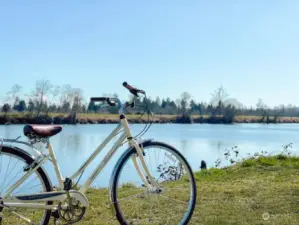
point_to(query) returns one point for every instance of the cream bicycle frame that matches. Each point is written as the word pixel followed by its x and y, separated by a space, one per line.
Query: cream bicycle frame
pixel 27 201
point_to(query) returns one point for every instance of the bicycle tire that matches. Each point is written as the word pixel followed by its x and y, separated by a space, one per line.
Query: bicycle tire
pixel 119 166
pixel 23 155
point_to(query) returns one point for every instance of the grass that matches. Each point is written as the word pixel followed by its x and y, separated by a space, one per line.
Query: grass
pixel 259 191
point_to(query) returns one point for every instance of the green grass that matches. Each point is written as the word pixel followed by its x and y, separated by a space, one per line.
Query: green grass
pixel 239 194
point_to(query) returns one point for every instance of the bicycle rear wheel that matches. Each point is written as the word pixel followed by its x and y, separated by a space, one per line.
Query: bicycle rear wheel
pixel 12 163
pixel 173 203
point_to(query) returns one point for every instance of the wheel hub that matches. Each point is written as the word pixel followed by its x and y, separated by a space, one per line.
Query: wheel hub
pixel 154 190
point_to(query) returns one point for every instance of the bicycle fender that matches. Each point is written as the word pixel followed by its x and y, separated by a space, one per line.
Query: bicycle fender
pixel 15 148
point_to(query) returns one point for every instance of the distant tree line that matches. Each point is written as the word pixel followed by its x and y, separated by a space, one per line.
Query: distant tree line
pixel 46 98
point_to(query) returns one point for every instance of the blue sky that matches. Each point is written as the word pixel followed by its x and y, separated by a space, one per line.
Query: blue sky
pixel 164 47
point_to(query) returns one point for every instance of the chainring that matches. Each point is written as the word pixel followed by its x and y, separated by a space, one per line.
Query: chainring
pixel 71 213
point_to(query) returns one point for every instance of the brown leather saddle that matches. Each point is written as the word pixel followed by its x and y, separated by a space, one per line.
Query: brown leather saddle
pixel 42 131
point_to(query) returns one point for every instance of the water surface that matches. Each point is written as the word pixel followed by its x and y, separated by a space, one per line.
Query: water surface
pixel 197 142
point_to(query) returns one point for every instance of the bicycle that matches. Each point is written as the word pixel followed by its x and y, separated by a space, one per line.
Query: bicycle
pixel 164 192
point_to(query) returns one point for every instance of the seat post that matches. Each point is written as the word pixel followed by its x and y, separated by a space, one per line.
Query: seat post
pixel 55 164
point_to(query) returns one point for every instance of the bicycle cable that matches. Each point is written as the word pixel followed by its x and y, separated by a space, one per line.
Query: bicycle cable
pixel 132 124
pixel 78 180
pixel 147 125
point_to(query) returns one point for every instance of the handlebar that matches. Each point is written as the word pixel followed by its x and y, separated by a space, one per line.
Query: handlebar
pixel 110 101
pixel 133 90
pixel 114 101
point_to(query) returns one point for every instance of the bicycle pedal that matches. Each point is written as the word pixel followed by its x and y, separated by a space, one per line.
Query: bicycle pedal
pixel 58 222
pixel 55 214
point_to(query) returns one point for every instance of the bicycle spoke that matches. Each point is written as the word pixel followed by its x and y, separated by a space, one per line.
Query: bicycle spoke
pixel 27 188
pixel 150 162
pixel 14 177
pixel 169 189
pixel 174 200
pixel 1 161
pixel 30 181
pixel 167 207
pixel 13 168
pixel 12 164
pixel 130 197
pixel 5 176
pixel 128 191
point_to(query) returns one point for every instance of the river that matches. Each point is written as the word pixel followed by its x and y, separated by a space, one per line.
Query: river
pixel 196 141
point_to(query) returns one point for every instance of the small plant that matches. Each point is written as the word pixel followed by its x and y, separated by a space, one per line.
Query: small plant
pixel 170 173
pixel 232 156
pixel 287 149
pixel 217 163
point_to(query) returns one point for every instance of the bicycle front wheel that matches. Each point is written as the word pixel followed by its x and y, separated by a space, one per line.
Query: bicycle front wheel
pixel 136 203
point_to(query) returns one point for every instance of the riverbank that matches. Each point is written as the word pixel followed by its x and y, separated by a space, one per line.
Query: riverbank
pixel 256 191
pixel 90 118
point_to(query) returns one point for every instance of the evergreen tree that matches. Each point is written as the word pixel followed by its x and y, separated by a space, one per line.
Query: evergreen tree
pixel 91 107
pixel 6 108
pixel 21 106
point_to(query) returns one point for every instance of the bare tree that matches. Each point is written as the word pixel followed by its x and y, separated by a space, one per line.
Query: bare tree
pixel 40 94
pixel 219 98
pixel 65 95
pixel 292 110
pixel 76 98
pixel 178 104
pixel 260 104
pixel 53 93
pixel 13 93
pixel 263 109
pixel 184 101
pixel 278 111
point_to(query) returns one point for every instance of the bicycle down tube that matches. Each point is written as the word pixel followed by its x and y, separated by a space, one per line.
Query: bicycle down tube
pixel 46 196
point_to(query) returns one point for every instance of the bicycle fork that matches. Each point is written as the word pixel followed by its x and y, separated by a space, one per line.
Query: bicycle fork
pixel 148 180
pixel 146 177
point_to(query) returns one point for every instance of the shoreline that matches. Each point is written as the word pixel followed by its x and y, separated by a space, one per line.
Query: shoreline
pixel 114 118
pixel 248 192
